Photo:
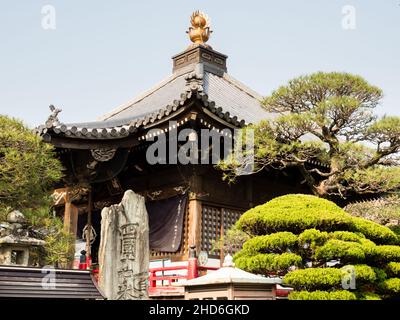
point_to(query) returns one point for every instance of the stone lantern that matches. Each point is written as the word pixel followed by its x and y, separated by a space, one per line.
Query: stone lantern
pixel 16 247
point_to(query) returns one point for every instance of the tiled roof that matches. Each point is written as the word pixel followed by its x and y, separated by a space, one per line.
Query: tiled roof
pixel 226 92
pixel 234 97
pixel 164 93
pixel 220 93
pixel 28 283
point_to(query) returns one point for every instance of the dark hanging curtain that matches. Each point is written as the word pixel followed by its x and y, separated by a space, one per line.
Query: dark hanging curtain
pixel 166 223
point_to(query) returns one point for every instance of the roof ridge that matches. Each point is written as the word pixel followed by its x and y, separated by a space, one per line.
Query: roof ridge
pixel 147 93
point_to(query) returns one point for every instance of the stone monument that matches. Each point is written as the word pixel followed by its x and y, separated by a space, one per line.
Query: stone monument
pixel 124 249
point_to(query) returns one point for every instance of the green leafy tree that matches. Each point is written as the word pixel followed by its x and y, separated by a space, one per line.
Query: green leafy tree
pixel 327 119
pixel 28 170
pixel 28 167
pixel 315 246
pixel 59 249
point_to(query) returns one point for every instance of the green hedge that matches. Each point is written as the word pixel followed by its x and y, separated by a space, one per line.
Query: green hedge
pixel 322 295
pixel 273 243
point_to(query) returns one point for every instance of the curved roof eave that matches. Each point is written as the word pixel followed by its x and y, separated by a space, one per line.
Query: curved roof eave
pixel 121 128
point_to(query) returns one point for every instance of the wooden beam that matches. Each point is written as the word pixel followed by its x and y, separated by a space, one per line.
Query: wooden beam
pixel 87 144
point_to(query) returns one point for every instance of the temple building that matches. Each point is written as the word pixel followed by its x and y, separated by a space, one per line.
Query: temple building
pixel 188 204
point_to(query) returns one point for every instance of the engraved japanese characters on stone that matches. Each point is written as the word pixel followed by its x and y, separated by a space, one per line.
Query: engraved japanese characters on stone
pixel 128 241
pixel 131 286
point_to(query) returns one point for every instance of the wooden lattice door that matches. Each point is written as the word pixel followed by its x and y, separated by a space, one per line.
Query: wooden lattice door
pixel 215 221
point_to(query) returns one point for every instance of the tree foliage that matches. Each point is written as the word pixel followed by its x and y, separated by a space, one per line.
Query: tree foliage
pixel 393 269
pixel 28 167
pixel 28 170
pixel 312 243
pixel 327 118
pixel 322 295
pixel 391 286
pixel 60 244
pixel 231 241
pixel 59 249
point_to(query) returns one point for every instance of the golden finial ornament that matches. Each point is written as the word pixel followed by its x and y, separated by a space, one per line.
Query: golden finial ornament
pixel 199 32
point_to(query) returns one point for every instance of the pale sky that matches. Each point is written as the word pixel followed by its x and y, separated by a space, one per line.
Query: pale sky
pixel 103 53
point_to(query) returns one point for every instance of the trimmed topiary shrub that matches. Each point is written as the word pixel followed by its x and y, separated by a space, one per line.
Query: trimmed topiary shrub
pixel 295 214
pixel 366 274
pixel 368 296
pixel 391 286
pixel 322 251
pixel 377 233
pixel 314 278
pixel 277 243
pixel 349 252
pixel 272 262
pixel 393 269
pixel 312 237
pixel 322 295
pixel 347 236
pixel 387 253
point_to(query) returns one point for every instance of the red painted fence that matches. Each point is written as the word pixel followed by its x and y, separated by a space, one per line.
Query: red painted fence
pixel 170 279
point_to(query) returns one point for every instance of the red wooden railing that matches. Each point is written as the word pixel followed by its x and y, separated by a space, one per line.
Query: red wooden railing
pixel 192 272
pixel 170 279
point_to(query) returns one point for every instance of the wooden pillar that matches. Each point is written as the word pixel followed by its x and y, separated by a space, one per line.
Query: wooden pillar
pixel 194 234
pixel 89 225
pixel 195 212
pixel 70 214
pixel 70 217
